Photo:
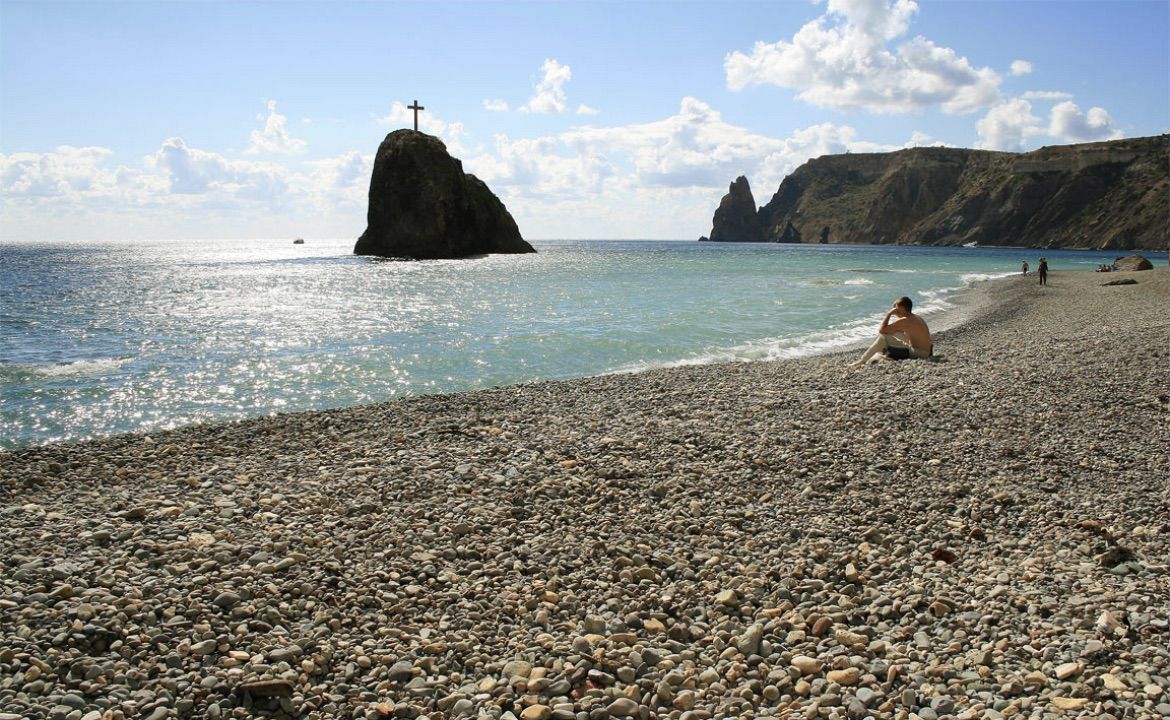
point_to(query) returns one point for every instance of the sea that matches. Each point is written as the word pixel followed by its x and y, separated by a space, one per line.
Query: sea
pixel 117 337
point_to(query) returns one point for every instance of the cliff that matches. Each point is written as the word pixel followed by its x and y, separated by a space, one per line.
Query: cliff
pixel 423 206
pixel 1109 195
pixel 736 219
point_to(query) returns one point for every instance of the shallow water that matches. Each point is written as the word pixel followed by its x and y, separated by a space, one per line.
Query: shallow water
pixel 110 338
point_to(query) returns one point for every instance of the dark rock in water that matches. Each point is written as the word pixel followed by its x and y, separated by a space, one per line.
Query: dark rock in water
pixel 1133 263
pixel 423 206
pixel 789 235
pixel 736 217
pixel 1123 281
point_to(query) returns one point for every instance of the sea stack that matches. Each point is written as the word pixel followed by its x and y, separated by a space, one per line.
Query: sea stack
pixel 424 207
pixel 736 219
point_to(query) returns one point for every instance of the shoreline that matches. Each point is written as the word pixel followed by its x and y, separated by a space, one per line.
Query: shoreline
pixel 114 384
pixel 965 303
pixel 984 536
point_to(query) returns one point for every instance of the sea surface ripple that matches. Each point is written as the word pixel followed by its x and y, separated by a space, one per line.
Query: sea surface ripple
pixel 129 337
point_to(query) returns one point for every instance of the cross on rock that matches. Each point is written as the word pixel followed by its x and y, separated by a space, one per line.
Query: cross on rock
pixel 416 107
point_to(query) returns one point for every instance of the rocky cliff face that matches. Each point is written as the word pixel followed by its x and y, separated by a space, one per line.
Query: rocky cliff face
pixel 423 206
pixel 737 219
pixel 1110 195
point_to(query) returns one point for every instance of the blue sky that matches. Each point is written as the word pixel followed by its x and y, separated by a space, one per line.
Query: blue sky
pixel 125 121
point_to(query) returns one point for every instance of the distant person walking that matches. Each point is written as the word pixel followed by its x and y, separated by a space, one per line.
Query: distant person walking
pixel 906 337
pixel 1024 267
pixel 1042 271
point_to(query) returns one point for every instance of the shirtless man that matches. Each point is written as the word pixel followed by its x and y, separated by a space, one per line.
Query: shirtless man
pixel 906 337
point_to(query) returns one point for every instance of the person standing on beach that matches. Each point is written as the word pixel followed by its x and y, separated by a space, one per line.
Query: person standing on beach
pixel 1042 271
pixel 1024 266
pixel 906 337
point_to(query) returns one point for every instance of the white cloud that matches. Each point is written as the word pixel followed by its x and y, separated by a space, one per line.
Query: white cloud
pixel 1008 126
pixel 274 138
pixel 1021 67
pixel 1046 95
pixel 921 139
pixel 340 180
pixel 191 171
pixel 66 172
pixel 656 179
pixel 1012 125
pixel 549 91
pixel 695 147
pixel 1068 123
pixel 584 109
pixel 495 105
pixel 178 191
pixel 344 172
pixel 842 60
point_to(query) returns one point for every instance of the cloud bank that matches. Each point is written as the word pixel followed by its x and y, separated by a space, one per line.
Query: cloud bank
pixel 848 60
pixel 660 178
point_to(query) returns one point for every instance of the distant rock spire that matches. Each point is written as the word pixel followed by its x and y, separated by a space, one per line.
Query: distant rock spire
pixel 736 219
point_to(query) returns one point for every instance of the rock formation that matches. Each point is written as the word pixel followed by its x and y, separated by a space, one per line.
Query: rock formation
pixel 1133 263
pixel 423 206
pixel 1108 195
pixel 736 219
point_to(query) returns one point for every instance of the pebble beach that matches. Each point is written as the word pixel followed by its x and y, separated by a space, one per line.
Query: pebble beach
pixel 985 535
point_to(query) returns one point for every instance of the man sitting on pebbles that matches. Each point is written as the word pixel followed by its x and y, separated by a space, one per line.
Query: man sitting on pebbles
pixel 906 337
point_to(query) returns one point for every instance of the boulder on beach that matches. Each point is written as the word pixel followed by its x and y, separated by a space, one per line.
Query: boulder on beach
pixel 1133 263
pixel 423 206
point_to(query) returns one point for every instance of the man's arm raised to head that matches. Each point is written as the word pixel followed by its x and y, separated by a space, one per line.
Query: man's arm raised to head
pixel 892 328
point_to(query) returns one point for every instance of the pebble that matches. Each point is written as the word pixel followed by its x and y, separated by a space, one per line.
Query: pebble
pixel 536 712
pixel 1070 669
pixel 847 677
pixel 623 707
pixel 766 539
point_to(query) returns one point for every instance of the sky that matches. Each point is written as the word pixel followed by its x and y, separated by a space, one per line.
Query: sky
pixel 124 121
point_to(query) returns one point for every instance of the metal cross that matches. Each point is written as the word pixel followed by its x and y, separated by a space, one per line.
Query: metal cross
pixel 416 107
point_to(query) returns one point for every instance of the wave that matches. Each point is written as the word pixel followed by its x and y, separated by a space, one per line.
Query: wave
pixel 845 336
pixel 821 342
pixel 820 282
pixel 971 278
pixel 17 372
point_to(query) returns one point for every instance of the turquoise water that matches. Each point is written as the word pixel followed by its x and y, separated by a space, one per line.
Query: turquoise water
pixel 103 339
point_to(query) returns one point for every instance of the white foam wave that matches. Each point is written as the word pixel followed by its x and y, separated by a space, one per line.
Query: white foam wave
pixel 76 367
pixel 823 282
pixel 848 335
pixel 822 342
pixel 970 278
